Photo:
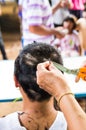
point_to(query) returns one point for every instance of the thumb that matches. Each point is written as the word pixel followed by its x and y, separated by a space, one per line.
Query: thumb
pixel 53 68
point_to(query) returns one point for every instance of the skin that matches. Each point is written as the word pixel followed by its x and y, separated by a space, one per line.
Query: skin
pixel 53 81
pixel 62 4
pixel 43 30
pixel 81 27
pixel 36 115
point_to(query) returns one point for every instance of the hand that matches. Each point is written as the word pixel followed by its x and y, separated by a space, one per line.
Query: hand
pixel 59 36
pixel 65 3
pixel 61 32
pixel 51 79
pixel 78 78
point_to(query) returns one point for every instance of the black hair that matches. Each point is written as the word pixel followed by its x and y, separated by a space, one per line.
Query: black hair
pixel 71 19
pixel 25 67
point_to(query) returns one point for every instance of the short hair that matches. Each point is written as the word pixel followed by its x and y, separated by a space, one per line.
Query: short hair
pixel 72 19
pixel 25 67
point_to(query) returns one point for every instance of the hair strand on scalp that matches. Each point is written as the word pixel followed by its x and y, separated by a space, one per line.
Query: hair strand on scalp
pixel 26 66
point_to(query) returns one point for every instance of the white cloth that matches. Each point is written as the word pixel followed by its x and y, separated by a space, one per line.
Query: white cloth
pixel 36 12
pixel 11 122
pixel 69 45
pixel 60 14
pixel 20 2
pixel 59 123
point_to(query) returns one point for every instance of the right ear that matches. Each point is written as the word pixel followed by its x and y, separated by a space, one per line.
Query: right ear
pixel 16 82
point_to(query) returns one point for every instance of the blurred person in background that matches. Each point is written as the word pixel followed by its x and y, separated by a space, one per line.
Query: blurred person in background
pixel 78 6
pixel 50 1
pixel 2 48
pixel 70 44
pixel 81 27
pixel 37 22
pixel 62 12
pixel 20 2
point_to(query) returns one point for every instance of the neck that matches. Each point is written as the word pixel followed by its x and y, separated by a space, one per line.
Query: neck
pixel 38 115
pixel 38 108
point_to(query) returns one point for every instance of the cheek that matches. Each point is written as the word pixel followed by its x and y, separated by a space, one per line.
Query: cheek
pixel 66 25
pixel 71 26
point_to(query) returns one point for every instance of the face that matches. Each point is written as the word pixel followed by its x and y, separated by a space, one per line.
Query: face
pixel 68 25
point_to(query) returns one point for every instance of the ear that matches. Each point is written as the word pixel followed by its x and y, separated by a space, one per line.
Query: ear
pixel 16 82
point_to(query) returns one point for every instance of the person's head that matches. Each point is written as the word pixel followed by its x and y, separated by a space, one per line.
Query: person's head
pixel 69 23
pixel 26 65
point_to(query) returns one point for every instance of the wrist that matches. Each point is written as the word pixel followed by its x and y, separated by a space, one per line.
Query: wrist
pixel 56 33
pixel 64 88
pixel 64 95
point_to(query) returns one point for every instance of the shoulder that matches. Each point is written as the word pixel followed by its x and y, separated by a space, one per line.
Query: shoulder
pixel 80 20
pixel 10 122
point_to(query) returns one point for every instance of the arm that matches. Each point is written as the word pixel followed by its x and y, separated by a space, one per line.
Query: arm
pixel 43 30
pixel 56 7
pixel 77 27
pixel 62 4
pixel 53 81
pixel 36 23
pixel 78 24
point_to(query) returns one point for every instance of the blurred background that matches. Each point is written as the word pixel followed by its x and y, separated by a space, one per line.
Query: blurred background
pixel 10 28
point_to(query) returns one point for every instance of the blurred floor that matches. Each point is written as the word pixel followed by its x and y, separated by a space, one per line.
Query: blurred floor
pixel 12 45
pixel 10 27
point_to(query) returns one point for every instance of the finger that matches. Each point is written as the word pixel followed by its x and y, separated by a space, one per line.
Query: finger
pixel 53 68
pixel 77 79
pixel 43 66
pixel 41 71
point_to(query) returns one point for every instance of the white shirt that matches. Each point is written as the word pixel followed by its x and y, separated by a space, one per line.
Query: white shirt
pixel 69 45
pixel 60 14
pixel 20 2
pixel 11 122
pixel 36 12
